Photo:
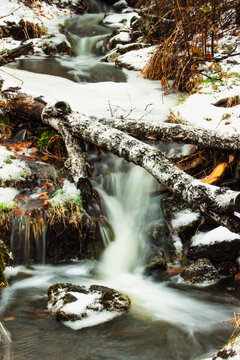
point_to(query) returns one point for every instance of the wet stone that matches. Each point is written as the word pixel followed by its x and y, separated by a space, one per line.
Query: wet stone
pixel 200 271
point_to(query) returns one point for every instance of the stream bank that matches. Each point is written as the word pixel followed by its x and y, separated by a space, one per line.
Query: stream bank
pixel 120 98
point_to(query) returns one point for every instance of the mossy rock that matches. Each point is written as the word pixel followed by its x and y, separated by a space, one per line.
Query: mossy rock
pixel 6 259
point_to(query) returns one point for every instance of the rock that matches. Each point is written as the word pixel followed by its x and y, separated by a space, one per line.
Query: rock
pixel 216 252
pixel 120 5
pixel 200 271
pixel 6 259
pixel 50 48
pixel 156 263
pixel 181 219
pixel 78 306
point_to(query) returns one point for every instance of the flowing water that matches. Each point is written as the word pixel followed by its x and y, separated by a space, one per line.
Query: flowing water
pixel 167 321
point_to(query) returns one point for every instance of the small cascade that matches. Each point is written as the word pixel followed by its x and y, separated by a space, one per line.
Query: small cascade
pixel 127 202
pixel 28 239
pixel 86 45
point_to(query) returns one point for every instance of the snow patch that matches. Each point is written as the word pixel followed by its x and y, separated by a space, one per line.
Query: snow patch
pixel 214 236
pixel 12 169
pixel 184 218
pixel 68 193
pixel 136 59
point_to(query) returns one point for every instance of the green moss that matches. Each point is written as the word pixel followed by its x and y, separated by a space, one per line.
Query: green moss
pixel 7 205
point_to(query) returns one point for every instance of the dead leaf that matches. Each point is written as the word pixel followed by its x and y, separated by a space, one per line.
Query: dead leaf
pixel 19 212
pixel 46 203
pixel 43 195
pixel 175 269
pixel 47 185
pixel 215 174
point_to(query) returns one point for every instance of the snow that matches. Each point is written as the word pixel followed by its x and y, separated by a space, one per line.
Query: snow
pixel 233 347
pixel 82 303
pixel 184 218
pixel 94 319
pixel 199 109
pixel 12 169
pixel 139 97
pixel 119 20
pixel 122 37
pixel 42 14
pixel 136 59
pixel 7 196
pixel 68 193
pixel 5 155
pixel 216 235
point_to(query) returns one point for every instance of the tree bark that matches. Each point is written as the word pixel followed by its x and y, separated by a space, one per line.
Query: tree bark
pixel 218 203
pixel 141 129
pixel 176 132
pixel 32 109
pixel 10 55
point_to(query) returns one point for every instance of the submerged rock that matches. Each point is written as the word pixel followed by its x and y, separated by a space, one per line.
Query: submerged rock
pixel 78 306
pixel 199 272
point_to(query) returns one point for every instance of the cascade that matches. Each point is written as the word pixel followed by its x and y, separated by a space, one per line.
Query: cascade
pixel 28 239
pixel 128 209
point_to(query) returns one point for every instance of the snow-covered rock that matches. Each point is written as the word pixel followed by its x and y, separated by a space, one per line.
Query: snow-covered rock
pixel 79 307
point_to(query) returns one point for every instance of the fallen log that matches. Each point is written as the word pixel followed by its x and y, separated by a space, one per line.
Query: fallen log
pixel 218 203
pixel 10 55
pixel 31 108
pixel 176 132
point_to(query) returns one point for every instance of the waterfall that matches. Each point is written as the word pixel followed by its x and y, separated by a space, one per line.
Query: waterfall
pixel 128 209
pixel 28 239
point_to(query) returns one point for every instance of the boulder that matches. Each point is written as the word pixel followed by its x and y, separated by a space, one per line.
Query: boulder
pixel 199 272
pixel 78 306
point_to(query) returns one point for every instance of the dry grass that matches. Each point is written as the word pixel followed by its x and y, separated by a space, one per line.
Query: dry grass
pixel 197 27
pixel 70 213
pixel 236 323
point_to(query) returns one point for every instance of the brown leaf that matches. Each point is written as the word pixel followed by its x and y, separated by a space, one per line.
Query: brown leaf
pixel 46 203
pixel 19 212
pixel 47 185
pixel 43 195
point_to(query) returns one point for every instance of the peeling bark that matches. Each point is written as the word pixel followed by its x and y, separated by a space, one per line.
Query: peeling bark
pixel 219 203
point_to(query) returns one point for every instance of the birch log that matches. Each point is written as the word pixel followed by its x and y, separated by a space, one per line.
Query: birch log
pixel 218 203
pixel 77 164
pixel 176 132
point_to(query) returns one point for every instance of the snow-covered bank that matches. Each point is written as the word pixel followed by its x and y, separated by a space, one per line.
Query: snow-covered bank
pixel 138 97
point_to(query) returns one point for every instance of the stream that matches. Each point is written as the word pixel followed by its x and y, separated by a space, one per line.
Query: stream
pixel 167 321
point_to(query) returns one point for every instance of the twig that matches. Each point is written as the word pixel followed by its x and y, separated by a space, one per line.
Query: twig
pixel 12 12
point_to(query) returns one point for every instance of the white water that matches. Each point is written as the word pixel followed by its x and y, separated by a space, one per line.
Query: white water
pixel 128 209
